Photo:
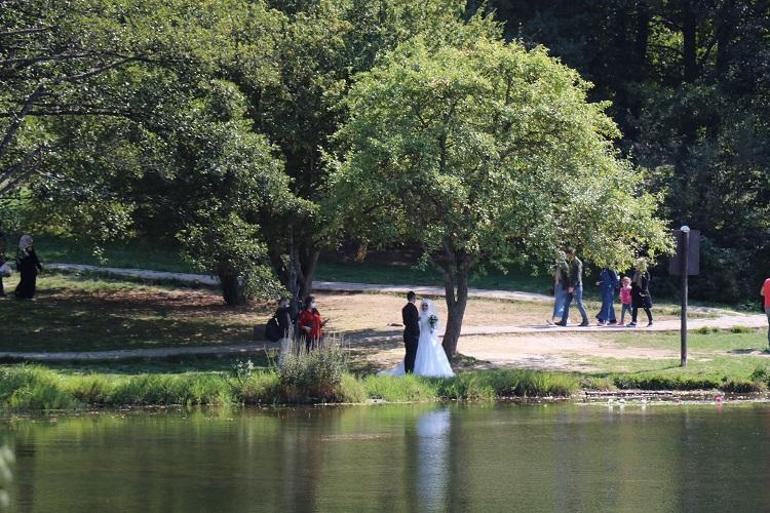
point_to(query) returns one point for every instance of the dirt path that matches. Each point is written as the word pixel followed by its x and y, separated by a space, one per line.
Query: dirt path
pixel 526 344
pixel 567 352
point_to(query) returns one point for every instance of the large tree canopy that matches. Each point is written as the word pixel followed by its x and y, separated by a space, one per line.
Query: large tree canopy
pixel 485 153
pixel 689 84
pixel 115 118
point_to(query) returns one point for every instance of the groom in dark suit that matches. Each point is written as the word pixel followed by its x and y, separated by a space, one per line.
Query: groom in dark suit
pixel 411 318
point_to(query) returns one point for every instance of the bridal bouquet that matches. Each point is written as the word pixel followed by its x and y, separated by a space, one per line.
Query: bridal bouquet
pixel 433 321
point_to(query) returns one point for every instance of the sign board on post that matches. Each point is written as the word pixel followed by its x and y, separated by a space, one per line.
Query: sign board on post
pixel 685 263
pixel 693 254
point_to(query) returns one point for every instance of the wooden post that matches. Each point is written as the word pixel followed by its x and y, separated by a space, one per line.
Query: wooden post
pixel 684 248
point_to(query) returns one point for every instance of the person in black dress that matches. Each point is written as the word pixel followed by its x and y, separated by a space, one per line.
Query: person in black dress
pixel 640 293
pixel 283 315
pixel 411 318
pixel 2 263
pixel 28 266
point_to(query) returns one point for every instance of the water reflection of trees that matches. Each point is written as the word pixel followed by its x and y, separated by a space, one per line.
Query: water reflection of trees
pixel 409 458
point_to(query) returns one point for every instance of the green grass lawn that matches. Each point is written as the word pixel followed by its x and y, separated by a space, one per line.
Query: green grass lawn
pixel 715 358
pixel 169 365
pixel 145 255
pixel 742 342
pixel 139 254
pixel 515 279
pixel 135 254
pixel 86 313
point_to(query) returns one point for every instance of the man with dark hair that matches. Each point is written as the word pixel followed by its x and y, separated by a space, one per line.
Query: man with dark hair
pixel 411 318
pixel 575 288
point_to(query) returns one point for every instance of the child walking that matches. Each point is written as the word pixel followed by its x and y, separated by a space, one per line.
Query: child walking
pixel 625 299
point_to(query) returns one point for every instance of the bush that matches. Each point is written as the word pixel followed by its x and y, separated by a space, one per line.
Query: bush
pixel 34 388
pixel 352 390
pixel 259 388
pixel 315 376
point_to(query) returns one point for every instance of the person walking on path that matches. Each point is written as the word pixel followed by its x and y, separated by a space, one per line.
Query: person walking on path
pixel 5 270
pixel 640 293
pixel 625 299
pixel 311 324
pixel 28 266
pixel 608 284
pixel 766 294
pixel 285 328
pixel 561 280
pixel 411 319
pixel 574 289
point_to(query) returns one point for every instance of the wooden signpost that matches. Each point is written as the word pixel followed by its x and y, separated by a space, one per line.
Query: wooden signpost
pixel 685 263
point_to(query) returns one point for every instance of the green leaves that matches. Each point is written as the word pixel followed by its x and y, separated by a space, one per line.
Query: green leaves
pixel 485 152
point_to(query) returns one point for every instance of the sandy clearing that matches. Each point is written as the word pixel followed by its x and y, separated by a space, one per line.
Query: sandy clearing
pixel 565 352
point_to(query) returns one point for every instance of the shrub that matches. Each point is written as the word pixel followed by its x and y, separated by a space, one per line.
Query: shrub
pixel 352 390
pixel 315 376
pixel 742 386
pixel 34 388
pixel 259 388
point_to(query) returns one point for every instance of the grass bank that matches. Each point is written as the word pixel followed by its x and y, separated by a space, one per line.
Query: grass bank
pixel 140 254
pixel 37 388
pixel 28 387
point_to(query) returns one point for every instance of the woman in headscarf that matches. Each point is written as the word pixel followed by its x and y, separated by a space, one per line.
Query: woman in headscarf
pixel 560 285
pixel 431 360
pixel 640 293
pixel 608 285
pixel 28 266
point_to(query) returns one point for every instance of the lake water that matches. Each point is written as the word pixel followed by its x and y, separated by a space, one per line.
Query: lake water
pixel 416 458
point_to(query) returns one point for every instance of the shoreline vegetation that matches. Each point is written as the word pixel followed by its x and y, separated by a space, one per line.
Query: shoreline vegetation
pixel 37 388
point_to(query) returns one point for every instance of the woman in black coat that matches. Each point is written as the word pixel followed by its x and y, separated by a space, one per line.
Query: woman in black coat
pixel 640 294
pixel 28 266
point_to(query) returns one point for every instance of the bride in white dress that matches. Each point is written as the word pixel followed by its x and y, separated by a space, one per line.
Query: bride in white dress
pixel 431 359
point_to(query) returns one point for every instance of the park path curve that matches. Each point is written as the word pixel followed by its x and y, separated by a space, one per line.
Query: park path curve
pixel 724 320
pixel 333 286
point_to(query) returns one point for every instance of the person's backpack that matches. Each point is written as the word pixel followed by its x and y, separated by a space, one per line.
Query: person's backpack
pixel 273 330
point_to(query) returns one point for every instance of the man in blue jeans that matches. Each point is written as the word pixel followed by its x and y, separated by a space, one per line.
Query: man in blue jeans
pixel 574 289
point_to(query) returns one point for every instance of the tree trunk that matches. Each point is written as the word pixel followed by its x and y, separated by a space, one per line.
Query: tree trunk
pixel 298 272
pixel 726 22
pixel 689 42
pixel 641 42
pixel 232 288
pixel 308 261
pixel 456 286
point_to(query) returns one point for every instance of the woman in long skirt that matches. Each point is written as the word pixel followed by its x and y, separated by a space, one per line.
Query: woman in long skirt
pixel 28 267
pixel 560 284
pixel 640 294
pixel 608 285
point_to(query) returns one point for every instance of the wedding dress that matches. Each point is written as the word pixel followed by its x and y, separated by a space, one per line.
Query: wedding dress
pixel 431 359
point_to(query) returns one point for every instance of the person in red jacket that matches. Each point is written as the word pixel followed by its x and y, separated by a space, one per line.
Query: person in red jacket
pixel 311 324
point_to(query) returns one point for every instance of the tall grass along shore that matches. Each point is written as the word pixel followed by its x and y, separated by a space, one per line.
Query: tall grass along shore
pixel 33 387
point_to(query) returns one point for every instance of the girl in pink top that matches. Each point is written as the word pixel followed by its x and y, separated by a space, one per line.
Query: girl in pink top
pixel 625 298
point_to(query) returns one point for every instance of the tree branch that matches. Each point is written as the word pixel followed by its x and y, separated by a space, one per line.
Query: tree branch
pixel 19 118
pixel 9 33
